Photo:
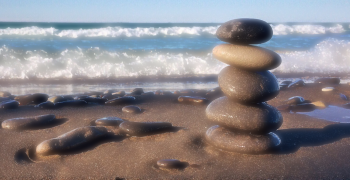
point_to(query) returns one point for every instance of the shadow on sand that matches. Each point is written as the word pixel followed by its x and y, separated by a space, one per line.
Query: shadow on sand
pixel 293 139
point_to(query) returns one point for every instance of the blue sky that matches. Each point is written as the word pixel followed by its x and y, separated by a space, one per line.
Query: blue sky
pixel 174 10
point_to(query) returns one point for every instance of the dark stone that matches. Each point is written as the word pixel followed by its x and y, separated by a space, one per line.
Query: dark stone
pixel 286 82
pixel 109 121
pixel 119 93
pixel 297 83
pixel 192 99
pixel 328 81
pixel 223 138
pixel 12 104
pixel 46 105
pixel 247 86
pixel 4 94
pixel 245 31
pixel 109 91
pixel 90 99
pixel 256 118
pixel 71 103
pixel 306 107
pixel 295 100
pixel 70 140
pixel 171 164
pixel 36 98
pixel 28 122
pixel 137 91
pixel 131 109
pixel 121 100
pixel 143 128
pixel 56 99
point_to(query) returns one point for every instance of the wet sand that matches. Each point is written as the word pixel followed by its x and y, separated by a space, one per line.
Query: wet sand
pixel 311 148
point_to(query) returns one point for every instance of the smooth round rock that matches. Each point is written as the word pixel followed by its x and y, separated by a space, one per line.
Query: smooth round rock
pixel 223 138
pixel 297 83
pixel 250 58
pixel 121 100
pixel 328 89
pixel 295 100
pixel 70 140
pixel 306 107
pixel 192 99
pixel 247 86
pixel 90 99
pixel 46 105
pixel 245 31
pixel 131 109
pixel 109 121
pixel 12 104
pixel 28 122
pixel 171 164
pixel 328 81
pixel 36 98
pixel 137 91
pixel 143 128
pixel 256 118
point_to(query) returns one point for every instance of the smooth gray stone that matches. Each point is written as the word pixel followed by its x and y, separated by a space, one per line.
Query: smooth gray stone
pixel 121 100
pixel 90 99
pixel 28 122
pixel 70 140
pixel 295 100
pixel 171 164
pixel 247 86
pixel 46 105
pixel 109 121
pixel 245 31
pixel 251 58
pixel 4 94
pixel 297 83
pixel 12 104
pixel 137 91
pixel 256 118
pixel 143 128
pixel 35 98
pixel 328 81
pixel 223 138
pixel 131 109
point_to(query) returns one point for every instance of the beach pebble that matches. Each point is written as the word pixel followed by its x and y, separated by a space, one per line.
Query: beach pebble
pixel 143 128
pixel 4 94
pixel 297 83
pixel 46 105
pixel 250 58
pixel 56 99
pixel 255 118
pixel 12 104
pixel 119 93
pixel 131 109
pixel 328 89
pixel 306 107
pixel 192 99
pixel 223 138
pixel 343 97
pixel 90 99
pixel 121 100
pixel 171 164
pixel 71 103
pixel 319 104
pixel 70 140
pixel 328 81
pixel 28 122
pixel 109 121
pixel 247 86
pixel 245 31
pixel 295 100
pixel 110 91
pixel 36 98
pixel 137 91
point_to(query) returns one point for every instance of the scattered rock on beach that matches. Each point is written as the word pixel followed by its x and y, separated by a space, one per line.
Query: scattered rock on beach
pixel 70 140
pixel 35 98
pixel 245 31
pixel 328 81
pixel 295 100
pixel 119 93
pixel 171 164
pixel 109 121
pixel 46 105
pixel 56 99
pixel 137 91
pixel 121 100
pixel 297 83
pixel 192 99
pixel 11 104
pixel 143 128
pixel 306 107
pixel 90 99
pixel 328 89
pixel 131 109
pixel 241 142
pixel 256 118
pixel 71 103
pixel 28 122
pixel 247 86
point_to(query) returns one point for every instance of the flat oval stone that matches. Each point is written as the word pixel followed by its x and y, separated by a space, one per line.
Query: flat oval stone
pixel 109 121
pixel 245 31
pixel 121 100
pixel 71 103
pixel 4 94
pixel 12 104
pixel 297 83
pixel 27 122
pixel 46 105
pixel 70 140
pixel 306 107
pixel 295 100
pixel 143 128
pixel 90 99
pixel 256 118
pixel 250 58
pixel 247 86
pixel 223 138
pixel 328 89
pixel 137 91
pixel 192 99
pixel 131 109
pixel 328 81
pixel 36 98
pixel 171 164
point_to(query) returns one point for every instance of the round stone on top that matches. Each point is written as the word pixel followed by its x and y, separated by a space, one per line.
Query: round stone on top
pixel 247 57
pixel 245 31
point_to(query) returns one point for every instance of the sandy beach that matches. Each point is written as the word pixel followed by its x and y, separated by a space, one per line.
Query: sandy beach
pixel 311 148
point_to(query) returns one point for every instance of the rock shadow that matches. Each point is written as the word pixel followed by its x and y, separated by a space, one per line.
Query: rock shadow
pixel 293 139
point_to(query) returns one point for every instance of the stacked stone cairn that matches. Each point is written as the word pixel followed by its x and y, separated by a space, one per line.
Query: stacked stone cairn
pixel 245 121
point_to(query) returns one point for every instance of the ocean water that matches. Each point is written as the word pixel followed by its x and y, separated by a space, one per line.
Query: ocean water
pixel 114 50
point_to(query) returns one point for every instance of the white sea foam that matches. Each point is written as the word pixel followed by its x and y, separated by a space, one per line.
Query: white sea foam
pixel 280 29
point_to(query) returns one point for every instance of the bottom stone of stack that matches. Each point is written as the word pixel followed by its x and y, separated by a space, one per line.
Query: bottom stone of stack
pixel 223 138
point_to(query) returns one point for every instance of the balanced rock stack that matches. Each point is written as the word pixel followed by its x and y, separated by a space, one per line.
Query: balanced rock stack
pixel 245 121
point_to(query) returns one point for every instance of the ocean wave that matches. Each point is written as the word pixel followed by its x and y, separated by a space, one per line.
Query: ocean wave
pixel 280 29
pixel 330 56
